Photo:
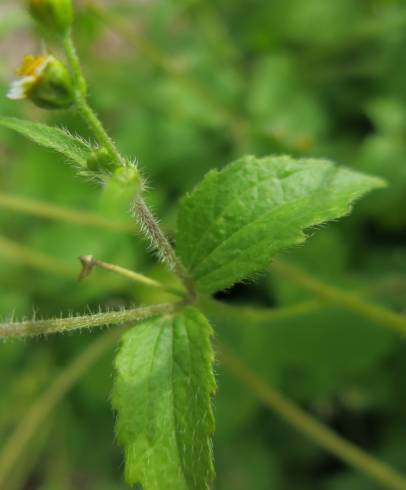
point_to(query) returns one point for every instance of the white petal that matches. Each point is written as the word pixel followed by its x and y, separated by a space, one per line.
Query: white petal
pixel 18 88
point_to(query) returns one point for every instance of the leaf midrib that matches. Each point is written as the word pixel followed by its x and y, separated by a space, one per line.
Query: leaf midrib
pixel 260 218
pixel 175 424
pixel 216 221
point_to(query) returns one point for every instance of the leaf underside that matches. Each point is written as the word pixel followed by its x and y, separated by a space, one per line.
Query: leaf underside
pixel 58 139
pixel 162 395
pixel 238 218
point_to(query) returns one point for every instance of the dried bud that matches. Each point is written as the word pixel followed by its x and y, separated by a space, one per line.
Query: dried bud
pixel 54 16
pixel 45 81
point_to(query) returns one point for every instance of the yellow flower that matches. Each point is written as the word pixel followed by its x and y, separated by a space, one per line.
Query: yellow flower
pixel 29 73
pixel 45 81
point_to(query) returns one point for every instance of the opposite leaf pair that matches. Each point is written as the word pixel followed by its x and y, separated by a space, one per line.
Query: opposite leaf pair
pixel 229 227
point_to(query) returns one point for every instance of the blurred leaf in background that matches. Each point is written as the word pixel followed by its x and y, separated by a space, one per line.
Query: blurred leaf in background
pixel 187 86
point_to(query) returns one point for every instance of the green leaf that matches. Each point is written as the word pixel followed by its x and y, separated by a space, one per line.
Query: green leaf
pixel 162 395
pixel 237 219
pixel 58 139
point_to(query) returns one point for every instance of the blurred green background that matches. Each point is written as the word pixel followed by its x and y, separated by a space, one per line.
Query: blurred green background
pixel 185 86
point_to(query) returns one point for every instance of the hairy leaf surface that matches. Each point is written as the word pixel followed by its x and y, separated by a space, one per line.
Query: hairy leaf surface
pixel 237 219
pixel 162 395
pixel 58 139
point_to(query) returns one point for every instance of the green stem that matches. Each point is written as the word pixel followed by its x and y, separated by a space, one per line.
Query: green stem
pixel 147 222
pixel 151 229
pixel 83 107
pixel 38 413
pixel 63 325
pixel 74 61
pixel 26 466
pixel 256 316
pixel 27 256
pixel 91 119
pixel 88 262
pixel 320 434
pixel 349 301
pixel 47 210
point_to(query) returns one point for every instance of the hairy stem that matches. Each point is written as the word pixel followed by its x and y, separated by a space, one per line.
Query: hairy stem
pixel 86 112
pixel 88 262
pixel 316 431
pixel 91 119
pixel 62 325
pixel 39 412
pixel 160 243
pixel 73 58
pixel 347 300
pixel 145 218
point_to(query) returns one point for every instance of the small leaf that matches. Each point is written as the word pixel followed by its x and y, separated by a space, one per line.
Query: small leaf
pixel 237 219
pixel 60 140
pixel 162 395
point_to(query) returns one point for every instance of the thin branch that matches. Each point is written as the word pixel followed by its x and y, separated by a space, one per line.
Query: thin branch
pixel 39 412
pixel 316 431
pixel 62 325
pixel 257 315
pixel 26 256
pixel 89 262
pixel 350 301
pixel 41 209
pixel 24 467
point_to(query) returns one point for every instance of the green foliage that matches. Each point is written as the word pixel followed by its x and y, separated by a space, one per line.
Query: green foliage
pixel 236 220
pixel 297 343
pixel 60 140
pixel 297 128
pixel 184 86
pixel 162 395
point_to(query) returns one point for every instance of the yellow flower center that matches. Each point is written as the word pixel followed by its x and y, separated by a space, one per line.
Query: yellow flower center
pixel 30 65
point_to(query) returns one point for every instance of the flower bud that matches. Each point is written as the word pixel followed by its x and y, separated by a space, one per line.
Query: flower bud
pixel 45 81
pixel 55 16
pixel 100 161
pixel 127 178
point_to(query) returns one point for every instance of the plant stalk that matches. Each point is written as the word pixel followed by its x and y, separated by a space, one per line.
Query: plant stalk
pixel 88 262
pixel 62 325
pixel 316 431
pixel 146 220
pixel 350 301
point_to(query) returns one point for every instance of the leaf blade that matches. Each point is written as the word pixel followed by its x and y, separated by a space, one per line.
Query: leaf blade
pixel 162 395
pixel 57 139
pixel 237 219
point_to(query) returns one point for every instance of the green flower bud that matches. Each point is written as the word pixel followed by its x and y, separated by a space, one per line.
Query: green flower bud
pixel 100 161
pixel 55 16
pixel 45 81
pixel 128 177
